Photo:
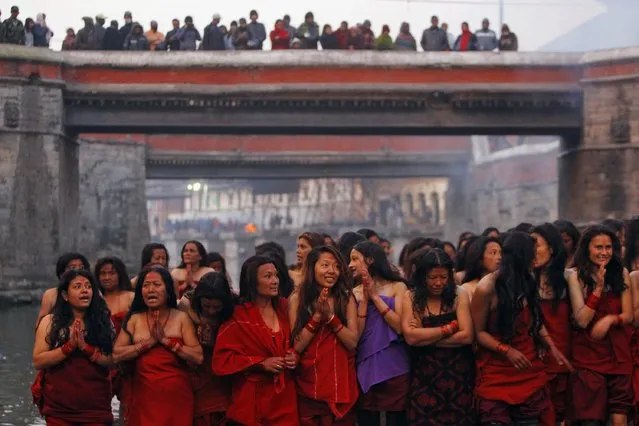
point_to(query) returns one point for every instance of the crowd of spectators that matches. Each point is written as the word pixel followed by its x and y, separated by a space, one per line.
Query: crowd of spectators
pixel 251 35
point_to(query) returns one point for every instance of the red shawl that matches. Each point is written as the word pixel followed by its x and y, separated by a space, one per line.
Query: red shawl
pixel 243 342
pixel 326 373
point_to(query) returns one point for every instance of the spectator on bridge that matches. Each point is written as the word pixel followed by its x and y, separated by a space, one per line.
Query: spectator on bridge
pixel 69 40
pixel 342 34
pixel 136 40
pixel 154 37
pixel 355 39
pixel 188 35
pixel 405 40
pixel 296 43
pixel 85 40
pixel 171 41
pixel 486 38
pixel 126 29
pixel 328 40
pixel 466 41
pixel 242 36
pixel 111 39
pixel 308 32
pixel 280 39
pixel 384 41
pixel 291 30
pixel 508 40
pixel 434 39
pixel 258 32
pixel 29 24
pixel 41 33
pixel 451 38
pixel 12 29
pixel 99 30
pixel 213 39
pixel 228 37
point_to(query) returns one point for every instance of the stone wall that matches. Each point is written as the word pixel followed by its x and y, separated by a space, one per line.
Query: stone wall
pixel 519 188
pixel 113 213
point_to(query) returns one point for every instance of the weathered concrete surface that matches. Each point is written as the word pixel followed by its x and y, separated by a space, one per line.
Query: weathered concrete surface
pixel 113 213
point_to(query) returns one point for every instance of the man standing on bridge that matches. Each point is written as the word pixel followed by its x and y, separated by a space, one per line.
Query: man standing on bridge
pixel 12 29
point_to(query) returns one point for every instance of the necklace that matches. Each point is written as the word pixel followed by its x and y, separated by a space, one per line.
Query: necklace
pixel 148 324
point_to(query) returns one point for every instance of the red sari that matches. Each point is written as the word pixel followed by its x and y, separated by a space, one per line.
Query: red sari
pixel 162 391
pixel 258 397
pixel 77 391
pixel 327 381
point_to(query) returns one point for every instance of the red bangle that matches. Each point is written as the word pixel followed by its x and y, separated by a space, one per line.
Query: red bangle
pixel 95 356
pixel 385 311
pixel 312 325
pixel 618 320
pixel 454 326
pixel 67 349
pixel 593 301
pixel 334 322
pixel 502 348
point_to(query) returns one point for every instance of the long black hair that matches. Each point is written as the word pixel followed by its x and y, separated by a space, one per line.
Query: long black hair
pixel 138 305
pixel 97 318
pixel 147 254
pixel 408 250
pixel 435 258
pixel 200 249
pixel 214 285
pixel 632 241
pixel 462 253
pixel 474 261
pixel 346 242
pixel 124 283
pixel 569 228
pixel 380 267
pixel 515 285
pixel 486 232
pixel 585 268
pixel 309 291
pixel 248 279
pixel 66 258
pixel 217 257
pixel 555 270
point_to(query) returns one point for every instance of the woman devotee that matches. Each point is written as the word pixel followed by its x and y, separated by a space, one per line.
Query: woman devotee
pixel 450 250
pixel 162 341
pixel 277 254
pixel 346 242
pixel 305 243
pixel 323 317
pixel 602 307
pixel 619 228
pixel 436 322
pixel 511 377
pixel 212 304
pixel 73 352
pixel 631 260
pixel 550 271
pixel 153 254
pixel 328 240
pixel 66 262
pixel 253 347
pixel 460 261
pixel 570 236
pixel 383 364
pixel 634 286
pixel 490 232
pixel 408 250
pixel 193 266
pixel 483 257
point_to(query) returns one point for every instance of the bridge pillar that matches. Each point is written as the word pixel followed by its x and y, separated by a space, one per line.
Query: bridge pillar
pixel 457 207
pixel 598 170
pixel 38 187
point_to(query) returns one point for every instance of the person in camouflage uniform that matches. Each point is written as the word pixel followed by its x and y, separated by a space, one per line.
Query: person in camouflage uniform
pixel 12 29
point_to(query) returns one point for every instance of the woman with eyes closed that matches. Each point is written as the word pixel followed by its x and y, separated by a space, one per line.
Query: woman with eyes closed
pixel 323 317
pixel 483 257
pixel 162 341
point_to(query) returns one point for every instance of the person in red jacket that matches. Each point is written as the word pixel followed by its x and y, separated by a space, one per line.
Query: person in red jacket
pixel 280 38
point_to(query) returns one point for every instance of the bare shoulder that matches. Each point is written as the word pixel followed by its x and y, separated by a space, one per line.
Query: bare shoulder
pixel 203 271
pixel 50 294
pixel 399 287
pixel 486 285
pixel 177 273
pixel 45 322
pixel 461 291
pixel 358 292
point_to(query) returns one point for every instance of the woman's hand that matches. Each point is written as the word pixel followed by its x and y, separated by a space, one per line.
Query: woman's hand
pixel 518 359
pixel 291 359
pixel 602 327
pixel 274 364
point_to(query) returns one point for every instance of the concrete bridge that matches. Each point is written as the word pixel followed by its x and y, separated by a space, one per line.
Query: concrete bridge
pixel 49 98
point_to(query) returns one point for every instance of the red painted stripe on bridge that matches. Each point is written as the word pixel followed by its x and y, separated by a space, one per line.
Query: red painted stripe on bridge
pixel 274 144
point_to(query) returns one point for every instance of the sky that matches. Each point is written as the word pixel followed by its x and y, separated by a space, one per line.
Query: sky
pixel 536 22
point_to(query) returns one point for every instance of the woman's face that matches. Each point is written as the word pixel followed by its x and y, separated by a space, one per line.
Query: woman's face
pixel 437 280
pixel 79 293
pixel 159 257
pixel 303 249
pixel 357 263
pixel 154 291
pixel 74 265
pixel 492 257
pixel 108 277
pixel 543 252
pixel 326 270
pixel 190 255
pixel 600 250
pixel 569 245
pixel 267 281
pixel 450 251
pixel 211 307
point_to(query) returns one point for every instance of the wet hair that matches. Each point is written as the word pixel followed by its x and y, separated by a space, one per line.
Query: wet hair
pixel 346 242
pixel 138 304
pixel 286 282
pixel 368 233
pixel 309 291
pixel 147 254
pixel 461 261
pixel 312 238
pixel 410 248
pixel 214 285
pixel 585 268
pixel 571 230
pixel 617 226
pixel 515 285
pixel 385 240
pixel 632 240
pixel 524 227
pixel 248 279
pixel 380 267
pixel 435 258
pixel 97 318
pixel 556 268
pixel 66 258
pixel 271 247
pixel 216 257
pixel 449 244
pixel 124 283
pixel 474 261
pixel 463 237
pixel 200 249
pixel 332 241
pixel 489 230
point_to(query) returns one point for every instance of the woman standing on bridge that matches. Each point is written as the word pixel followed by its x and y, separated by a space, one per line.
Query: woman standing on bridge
pixel 72 350
pixel 191 269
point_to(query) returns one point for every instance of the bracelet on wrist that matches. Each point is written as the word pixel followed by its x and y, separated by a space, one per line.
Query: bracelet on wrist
pixel 334 322
pixel 312 326
pixel 502 348
pixel 593 301
pixel 67 349
pixel 385 311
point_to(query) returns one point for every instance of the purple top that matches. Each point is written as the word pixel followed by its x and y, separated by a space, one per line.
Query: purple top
pixel 381 355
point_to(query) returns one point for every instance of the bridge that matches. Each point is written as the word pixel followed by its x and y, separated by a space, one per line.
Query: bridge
pixel 50 98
